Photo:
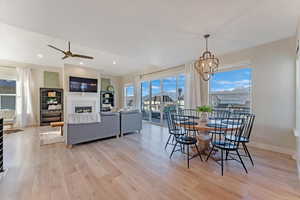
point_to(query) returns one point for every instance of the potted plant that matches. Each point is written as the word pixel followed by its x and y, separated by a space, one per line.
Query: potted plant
pixel 204 110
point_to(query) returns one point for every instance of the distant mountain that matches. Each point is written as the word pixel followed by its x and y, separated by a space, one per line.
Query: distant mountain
pixel 7 87
pixel 233 91
pixel 7 83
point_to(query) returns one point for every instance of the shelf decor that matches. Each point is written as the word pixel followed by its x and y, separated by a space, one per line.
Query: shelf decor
pixel 51 106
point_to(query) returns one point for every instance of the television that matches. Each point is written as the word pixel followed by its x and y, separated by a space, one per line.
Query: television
pixel 78 84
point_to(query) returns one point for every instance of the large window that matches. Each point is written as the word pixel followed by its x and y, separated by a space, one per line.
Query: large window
pixel 7 94
pixel 129 96
pixel 160 95
pixel 231 89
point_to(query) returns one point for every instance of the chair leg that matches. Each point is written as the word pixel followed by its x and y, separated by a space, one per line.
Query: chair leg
pixel 198 152
pixel 168 141
pixel 237 152
pixel 227 152
pixel 173 139
pixel 222 162
pixel 173 150
pixel 188 155
pixel 248 153
pixel 209 153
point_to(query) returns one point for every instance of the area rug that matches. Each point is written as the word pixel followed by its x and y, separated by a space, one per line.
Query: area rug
pixel 50 135
pixel 10 131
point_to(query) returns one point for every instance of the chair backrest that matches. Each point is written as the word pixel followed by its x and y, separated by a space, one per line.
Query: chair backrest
pixel 171 125
pixel 219 114
pixel 249 121
pixel 189 112
pixel 228 130
pixel 177 121
pixel 191 118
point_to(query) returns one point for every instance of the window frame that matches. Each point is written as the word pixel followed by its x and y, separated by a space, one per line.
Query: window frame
pixel 161 78
pixel 9 95
pixel 125 94
pixel 228 69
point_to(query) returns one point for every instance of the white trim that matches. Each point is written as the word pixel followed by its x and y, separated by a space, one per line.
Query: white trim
pixel 296 133
pixel 273 148
pixel 125 93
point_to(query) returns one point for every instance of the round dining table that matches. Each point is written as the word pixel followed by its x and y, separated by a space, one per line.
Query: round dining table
pixel 203 136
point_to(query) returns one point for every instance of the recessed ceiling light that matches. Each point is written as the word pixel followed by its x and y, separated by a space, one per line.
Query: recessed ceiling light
pixel 81 63
pixel 114 62
pixel 40 55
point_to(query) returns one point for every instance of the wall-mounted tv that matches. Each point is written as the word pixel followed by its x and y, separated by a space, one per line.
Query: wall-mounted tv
pixel 77 84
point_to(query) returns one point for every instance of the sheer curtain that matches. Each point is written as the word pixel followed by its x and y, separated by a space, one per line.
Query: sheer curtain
pixel 137 92
pixel 196 93
pixel 25 88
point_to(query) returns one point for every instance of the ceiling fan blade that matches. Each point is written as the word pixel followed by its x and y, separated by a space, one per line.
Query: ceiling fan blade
pixel 65 57
pixel 53 47
pixel 82 56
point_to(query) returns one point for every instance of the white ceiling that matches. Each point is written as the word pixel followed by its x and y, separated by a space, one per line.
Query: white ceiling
pixel 140 34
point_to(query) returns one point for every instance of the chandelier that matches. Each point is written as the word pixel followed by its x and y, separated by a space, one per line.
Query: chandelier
pixel 207 64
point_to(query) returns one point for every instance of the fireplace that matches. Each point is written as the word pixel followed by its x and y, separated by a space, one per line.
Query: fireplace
pixel 83 109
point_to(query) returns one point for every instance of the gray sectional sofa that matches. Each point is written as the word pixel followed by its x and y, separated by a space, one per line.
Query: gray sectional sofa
pixel 130 121
pixel 112 124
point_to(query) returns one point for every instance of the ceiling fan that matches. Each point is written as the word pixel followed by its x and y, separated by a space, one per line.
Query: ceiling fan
pixel 68 53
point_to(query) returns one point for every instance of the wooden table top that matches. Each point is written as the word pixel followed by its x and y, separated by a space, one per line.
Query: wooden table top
pixel 203 127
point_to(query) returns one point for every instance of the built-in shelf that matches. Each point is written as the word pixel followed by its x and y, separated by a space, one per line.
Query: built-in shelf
pixel 48 112
pixel 106 100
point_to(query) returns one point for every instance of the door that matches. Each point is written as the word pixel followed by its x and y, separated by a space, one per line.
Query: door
pixel 156 101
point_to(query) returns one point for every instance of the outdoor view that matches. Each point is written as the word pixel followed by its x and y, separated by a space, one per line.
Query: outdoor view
pixel 165 94
pixel 231 89
pixel 129 96
pixel 7 94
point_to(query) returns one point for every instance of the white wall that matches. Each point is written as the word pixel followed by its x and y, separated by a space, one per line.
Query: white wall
pixel 273 92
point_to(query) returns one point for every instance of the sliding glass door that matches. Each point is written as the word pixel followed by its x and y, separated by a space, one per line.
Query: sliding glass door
pixel 180 91
pixel 169 95
pixel 160 95
pixel 156 102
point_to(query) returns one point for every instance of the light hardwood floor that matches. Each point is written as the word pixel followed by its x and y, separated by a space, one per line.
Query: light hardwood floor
pixel 136 167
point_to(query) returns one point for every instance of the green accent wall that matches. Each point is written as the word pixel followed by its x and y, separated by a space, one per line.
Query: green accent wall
pixel 51 79
pixel 104 83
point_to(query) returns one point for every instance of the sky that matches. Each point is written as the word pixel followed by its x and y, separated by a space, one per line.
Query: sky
pixel 228 81
pixel 221 81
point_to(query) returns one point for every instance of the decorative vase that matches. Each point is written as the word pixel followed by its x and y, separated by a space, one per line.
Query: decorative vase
pixel 204 117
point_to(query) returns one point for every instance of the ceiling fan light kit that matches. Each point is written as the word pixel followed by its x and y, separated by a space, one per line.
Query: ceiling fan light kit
pixel 208 63
pixel 68 53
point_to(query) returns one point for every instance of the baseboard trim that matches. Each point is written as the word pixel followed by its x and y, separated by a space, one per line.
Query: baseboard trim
pixel 274 149
pixel 296 132
pixel 2 174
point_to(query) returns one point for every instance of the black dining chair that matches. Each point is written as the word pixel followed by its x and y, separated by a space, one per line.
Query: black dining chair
pixel 191 117
pixel 245 137
pixel 188 137
pixel 219 113
pixel 230 128
pixel 173 131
